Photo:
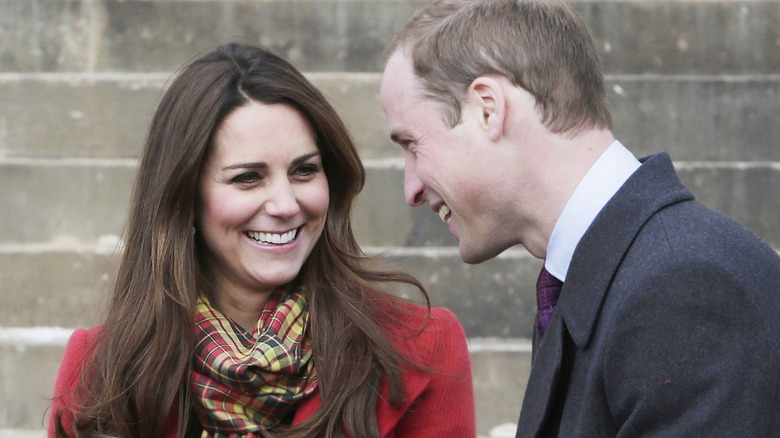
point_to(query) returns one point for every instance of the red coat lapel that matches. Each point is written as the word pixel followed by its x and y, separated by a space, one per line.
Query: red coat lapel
pixel 415 382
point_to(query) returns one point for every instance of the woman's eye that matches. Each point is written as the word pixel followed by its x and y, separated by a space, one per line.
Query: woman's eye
pixel 307 169
pixel 246 178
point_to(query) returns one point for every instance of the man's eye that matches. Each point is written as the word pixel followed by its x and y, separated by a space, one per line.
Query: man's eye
pixel 409 146
pixel 246 178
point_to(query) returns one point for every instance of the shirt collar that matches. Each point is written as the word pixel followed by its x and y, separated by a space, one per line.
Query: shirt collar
pixel 603 180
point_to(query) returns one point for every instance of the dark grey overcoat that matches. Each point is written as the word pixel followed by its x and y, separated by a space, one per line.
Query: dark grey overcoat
pixel 667 325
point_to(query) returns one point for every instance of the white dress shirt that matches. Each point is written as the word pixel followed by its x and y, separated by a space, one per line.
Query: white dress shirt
pixel 602 181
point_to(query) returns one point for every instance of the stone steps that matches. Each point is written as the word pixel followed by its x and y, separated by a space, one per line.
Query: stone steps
pixel 636 37
pixel 702 118
pixel 85 201
pixel 67 288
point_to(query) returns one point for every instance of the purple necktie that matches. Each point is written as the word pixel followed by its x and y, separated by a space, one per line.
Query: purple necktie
pixel 547 290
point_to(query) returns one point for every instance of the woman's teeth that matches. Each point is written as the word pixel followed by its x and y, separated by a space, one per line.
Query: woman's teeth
pixel 273 238
pixel 444 213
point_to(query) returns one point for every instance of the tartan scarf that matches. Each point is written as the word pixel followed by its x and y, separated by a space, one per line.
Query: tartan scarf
pixel 243 383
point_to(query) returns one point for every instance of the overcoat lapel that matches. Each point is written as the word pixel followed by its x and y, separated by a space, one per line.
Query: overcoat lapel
pixel 596 259
pixel 545 374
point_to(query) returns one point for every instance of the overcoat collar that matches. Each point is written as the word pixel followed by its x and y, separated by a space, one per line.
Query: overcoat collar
pixel 652 187
pixel 597 257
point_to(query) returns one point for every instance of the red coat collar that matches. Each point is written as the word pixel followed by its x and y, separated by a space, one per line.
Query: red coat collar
pixel 415 382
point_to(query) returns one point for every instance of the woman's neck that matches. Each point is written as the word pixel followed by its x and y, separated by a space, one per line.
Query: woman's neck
pixel 241 306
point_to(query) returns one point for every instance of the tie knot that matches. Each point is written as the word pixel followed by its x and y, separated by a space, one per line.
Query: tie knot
pixel 547 280
pixel 548 288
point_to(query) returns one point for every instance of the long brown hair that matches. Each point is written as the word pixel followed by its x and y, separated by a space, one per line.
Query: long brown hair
pixel 140 369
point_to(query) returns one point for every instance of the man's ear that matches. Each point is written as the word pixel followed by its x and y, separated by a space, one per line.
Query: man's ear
pixel 489 99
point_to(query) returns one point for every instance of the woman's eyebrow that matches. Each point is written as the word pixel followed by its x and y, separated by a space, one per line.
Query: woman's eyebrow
pixel 263 164
pixel 305 157
pixel 253 165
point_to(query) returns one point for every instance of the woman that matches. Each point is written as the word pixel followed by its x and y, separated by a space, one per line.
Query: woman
pixel 243 306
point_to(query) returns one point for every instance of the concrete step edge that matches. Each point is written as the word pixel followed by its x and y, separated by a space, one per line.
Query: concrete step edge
pixel 162 77
pixel 58 337
pixel 396 163
pixel 69 162
pixel 111 243
pixel 22 433
pixel 106 245
pixel 34 336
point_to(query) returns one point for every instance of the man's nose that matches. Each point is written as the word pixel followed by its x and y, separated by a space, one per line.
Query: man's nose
pixel 413 186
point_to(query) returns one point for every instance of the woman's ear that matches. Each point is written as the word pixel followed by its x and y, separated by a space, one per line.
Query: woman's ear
pixel 490 103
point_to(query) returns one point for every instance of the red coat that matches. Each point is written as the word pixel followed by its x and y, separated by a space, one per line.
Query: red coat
pixel 439 403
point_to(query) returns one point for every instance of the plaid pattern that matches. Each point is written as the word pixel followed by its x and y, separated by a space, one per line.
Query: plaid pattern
pixel 243 383
pixel 547 290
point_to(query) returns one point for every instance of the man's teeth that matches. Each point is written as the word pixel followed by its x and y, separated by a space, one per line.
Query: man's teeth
pixel 273 238
pixel 444 213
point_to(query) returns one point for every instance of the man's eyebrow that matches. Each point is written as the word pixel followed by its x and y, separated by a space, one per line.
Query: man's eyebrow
pixel 396 136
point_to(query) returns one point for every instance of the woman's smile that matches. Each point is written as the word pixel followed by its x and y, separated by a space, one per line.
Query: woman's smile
pixel 271 238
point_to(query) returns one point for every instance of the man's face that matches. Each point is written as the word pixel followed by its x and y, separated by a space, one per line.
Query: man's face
pixel 452 169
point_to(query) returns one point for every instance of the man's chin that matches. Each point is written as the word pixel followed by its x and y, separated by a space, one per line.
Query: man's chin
pixel 475 256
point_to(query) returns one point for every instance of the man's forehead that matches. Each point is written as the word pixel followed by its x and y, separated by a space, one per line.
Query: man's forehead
pixel 398 70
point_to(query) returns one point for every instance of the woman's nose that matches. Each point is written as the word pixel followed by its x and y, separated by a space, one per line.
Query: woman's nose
pixel 282 201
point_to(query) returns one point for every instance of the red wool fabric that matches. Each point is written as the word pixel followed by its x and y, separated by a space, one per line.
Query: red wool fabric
pixel 439 401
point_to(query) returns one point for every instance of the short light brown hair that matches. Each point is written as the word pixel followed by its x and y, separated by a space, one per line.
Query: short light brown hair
pixel 542 46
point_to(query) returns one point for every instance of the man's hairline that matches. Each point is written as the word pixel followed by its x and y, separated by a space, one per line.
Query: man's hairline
pixel 405 48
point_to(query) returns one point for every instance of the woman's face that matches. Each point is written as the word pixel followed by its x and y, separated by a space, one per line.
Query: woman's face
pixel 263 199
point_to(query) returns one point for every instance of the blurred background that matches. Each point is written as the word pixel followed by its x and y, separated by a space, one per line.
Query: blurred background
pixel 79 80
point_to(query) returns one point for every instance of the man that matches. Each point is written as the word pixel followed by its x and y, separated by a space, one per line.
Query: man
pixel 668 320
